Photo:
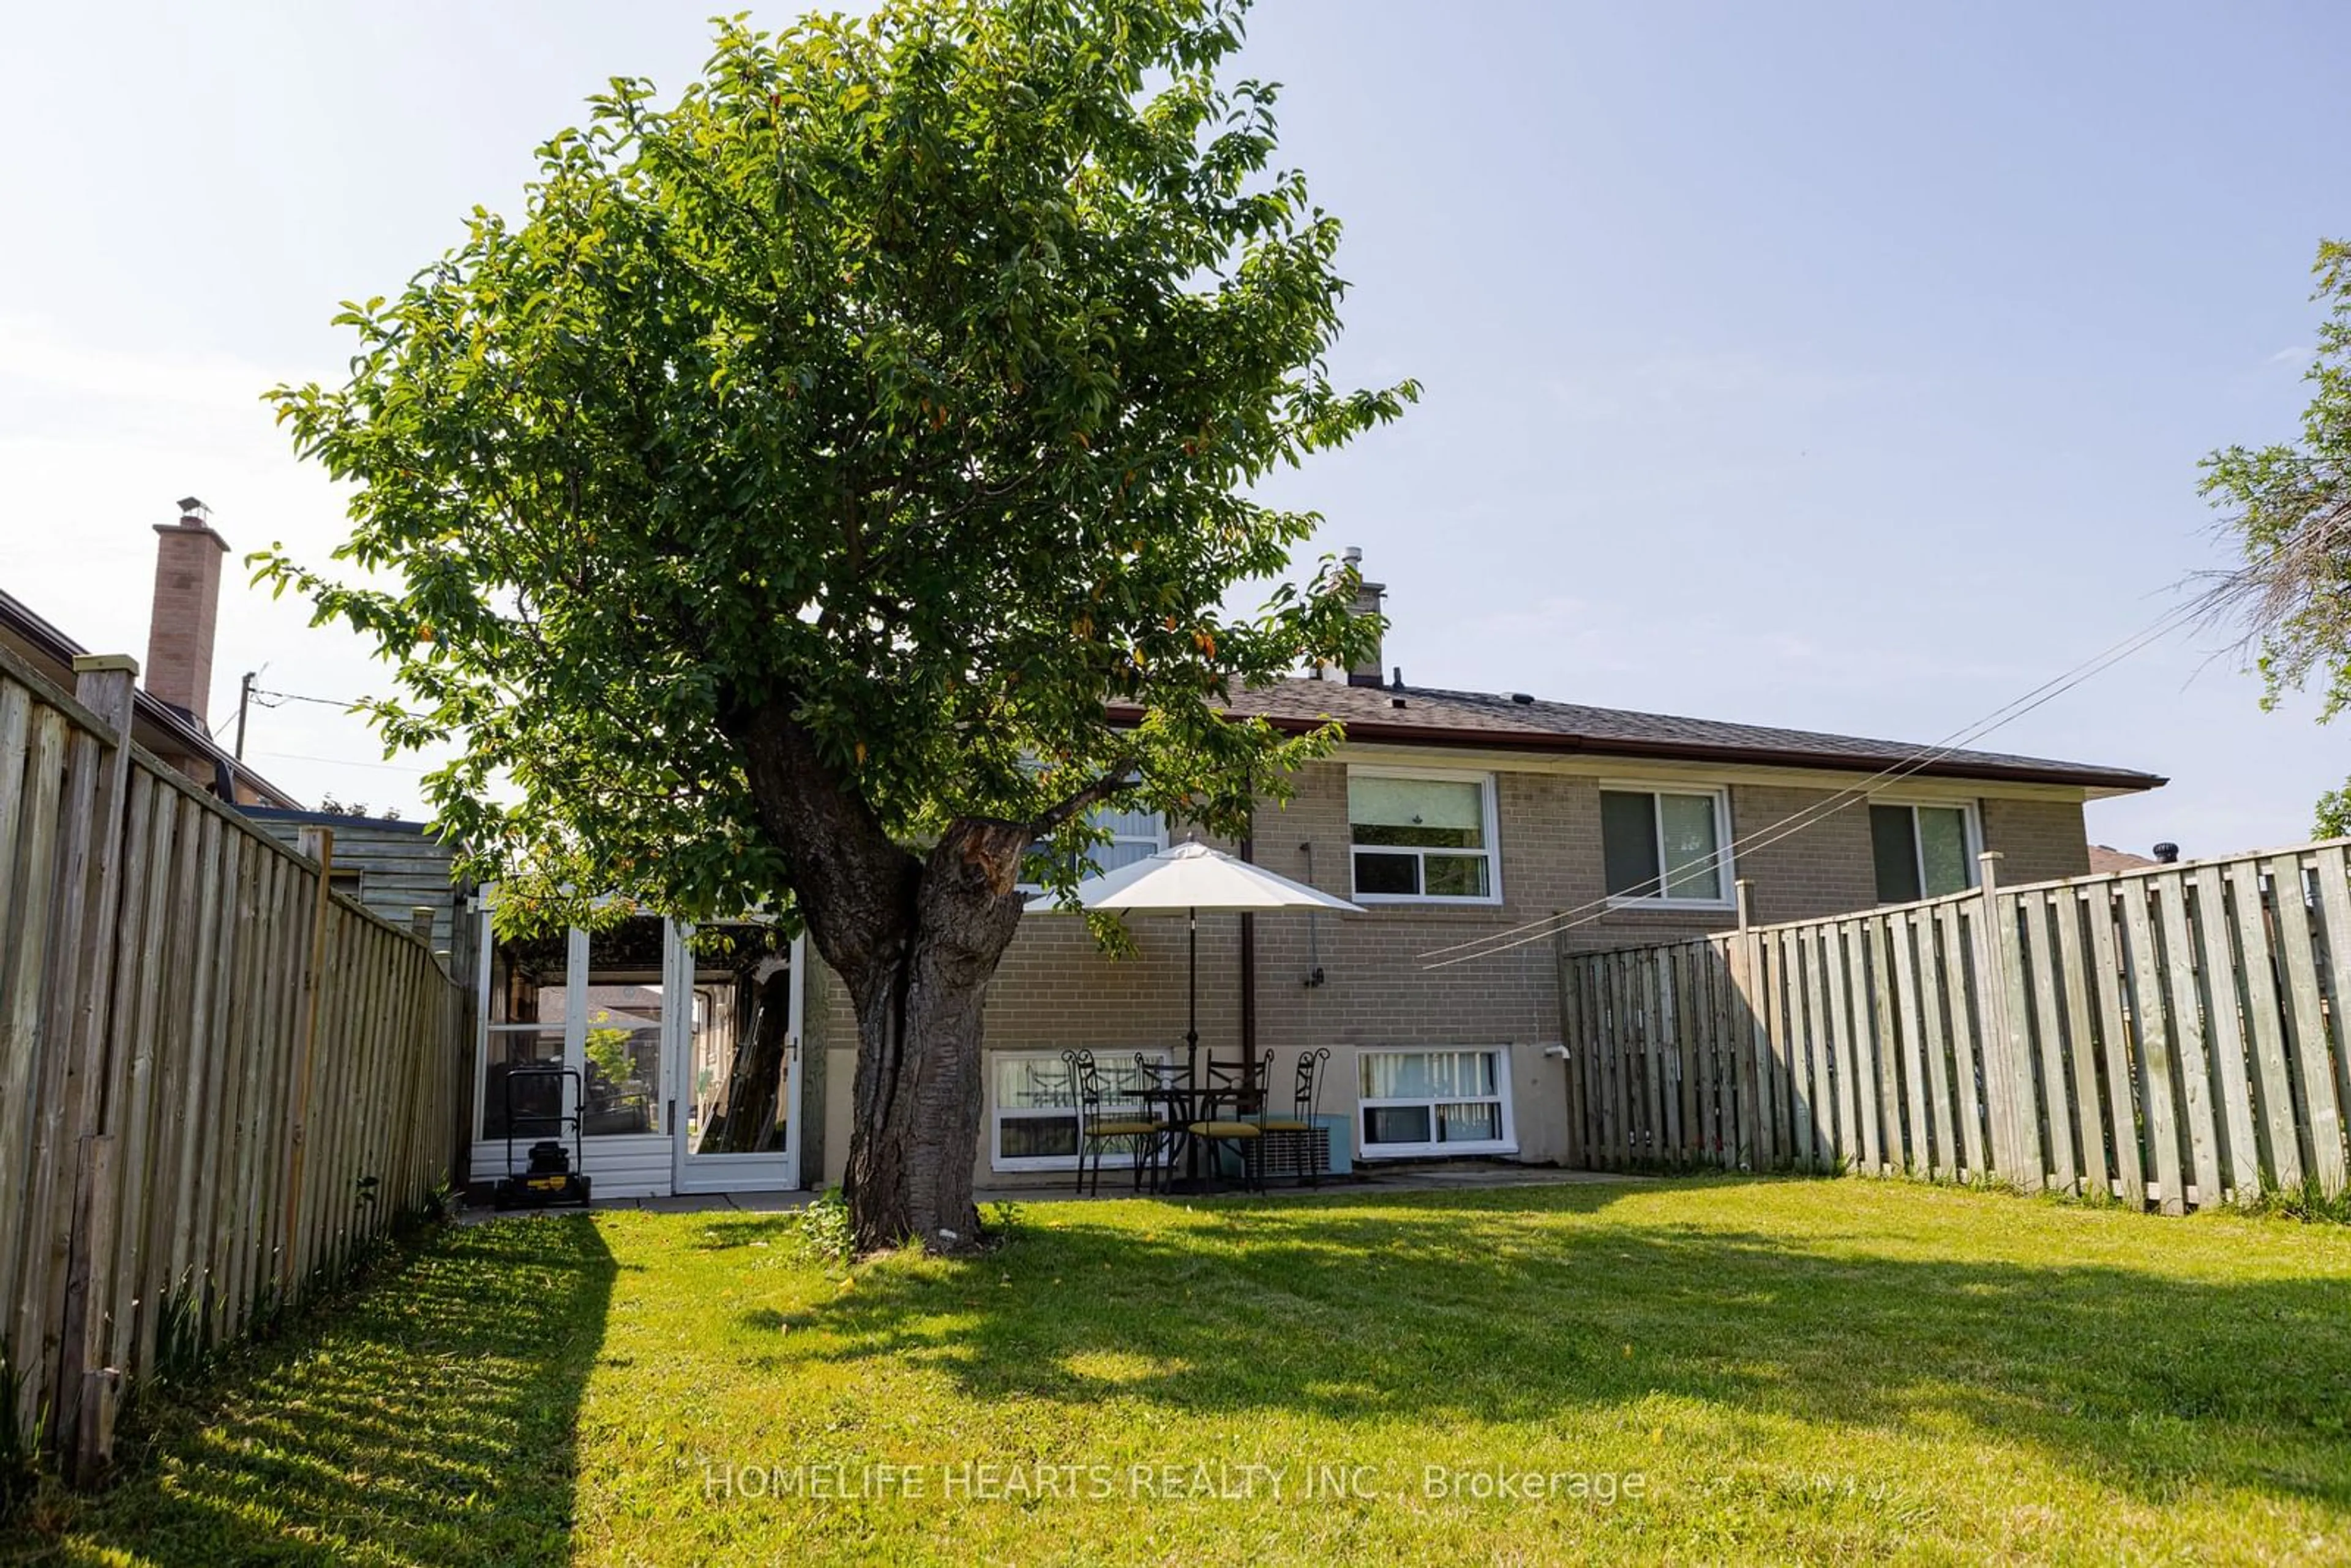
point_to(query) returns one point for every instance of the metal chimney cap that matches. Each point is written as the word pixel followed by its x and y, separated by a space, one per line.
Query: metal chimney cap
pixel 2167 853
pixel 191 507
pixel 1353 555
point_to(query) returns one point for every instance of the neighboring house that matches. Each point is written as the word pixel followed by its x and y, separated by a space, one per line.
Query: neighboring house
pixel 170 711
pixel 2105 859
pixel 1448 816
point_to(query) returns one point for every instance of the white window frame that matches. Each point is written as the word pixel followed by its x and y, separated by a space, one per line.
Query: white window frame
pixel 1507 1143
pixel 1971 827
pixel 1112 1159
pixel 1492 849
pixel 1726 866
pixel 1157 840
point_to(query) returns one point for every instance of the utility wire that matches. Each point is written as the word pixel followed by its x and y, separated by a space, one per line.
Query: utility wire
pixel 298 697
pixel 1566 920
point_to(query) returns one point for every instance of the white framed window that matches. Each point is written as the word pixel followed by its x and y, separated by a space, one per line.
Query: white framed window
pixel 1033 1106
pixel 1666 846
pixel 1922 849
pixel 1133 836
pixel 1423 835
pixel 1444 1100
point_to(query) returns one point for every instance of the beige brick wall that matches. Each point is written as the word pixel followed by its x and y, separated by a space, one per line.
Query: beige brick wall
pixel 1057 990
pixel 2039 840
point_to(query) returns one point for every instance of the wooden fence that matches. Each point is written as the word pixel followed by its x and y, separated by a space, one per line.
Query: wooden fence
pixel 218 1081
pixel 2174 1036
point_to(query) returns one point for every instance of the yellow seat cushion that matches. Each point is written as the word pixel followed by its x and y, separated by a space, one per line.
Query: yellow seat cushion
pixel 1222 1130
pixel 1284 1124
pixel 1121 1129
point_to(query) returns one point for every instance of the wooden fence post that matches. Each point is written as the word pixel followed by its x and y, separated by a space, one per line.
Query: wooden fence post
pixel 318 844
pixel 86 1387
pixel 1999 987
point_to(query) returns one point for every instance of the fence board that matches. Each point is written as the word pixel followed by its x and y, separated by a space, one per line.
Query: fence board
pixel 1913 1071
pixel 2193 1062
pixel 2273 1097
pixel 2334 909
pixel 1859 1152
pixel 2308 1054
pixel 2224 1024
pixel 2089 1121
pixel 2054 1096
pixel 2114 1041
pixel 2153 1035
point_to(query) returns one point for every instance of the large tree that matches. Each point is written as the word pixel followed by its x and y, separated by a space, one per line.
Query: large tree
pixel 832 486
pixel 2288 505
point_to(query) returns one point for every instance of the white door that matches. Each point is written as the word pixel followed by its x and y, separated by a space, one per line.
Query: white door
pixel 731 1013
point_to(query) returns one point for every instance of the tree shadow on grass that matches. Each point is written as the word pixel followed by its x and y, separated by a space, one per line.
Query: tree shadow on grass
pixel 428 1420
pixel 1480 1307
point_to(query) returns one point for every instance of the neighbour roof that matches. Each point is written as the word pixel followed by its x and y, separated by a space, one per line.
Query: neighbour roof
pixel 1425 715
pixel 156 725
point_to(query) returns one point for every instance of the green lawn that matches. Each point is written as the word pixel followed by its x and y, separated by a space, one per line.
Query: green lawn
pixel 1791 1369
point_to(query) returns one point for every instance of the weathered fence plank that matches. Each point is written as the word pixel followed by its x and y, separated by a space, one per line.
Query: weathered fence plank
pixel 2258 975
pixel 2193 1064
pixel 2313 1074
pixel 2053 1097
pixel 1911 1073
pixel 2089 1124
pixel 152 982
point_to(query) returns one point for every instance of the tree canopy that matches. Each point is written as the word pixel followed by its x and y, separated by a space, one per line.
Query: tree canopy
pixel 2289 507
pixel 832 484
pixel 912 372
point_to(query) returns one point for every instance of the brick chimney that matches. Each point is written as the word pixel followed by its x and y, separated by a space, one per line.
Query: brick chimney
pixel 1365 672
pixel 187 600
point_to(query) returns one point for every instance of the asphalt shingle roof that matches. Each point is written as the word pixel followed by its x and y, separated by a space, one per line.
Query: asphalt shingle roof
pixel 1432 715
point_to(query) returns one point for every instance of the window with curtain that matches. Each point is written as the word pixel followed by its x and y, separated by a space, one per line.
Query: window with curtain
pixel 1422 837
pixel 1033 1106
pixel 1922 852
pixel 1434 1102
pixel 1665 845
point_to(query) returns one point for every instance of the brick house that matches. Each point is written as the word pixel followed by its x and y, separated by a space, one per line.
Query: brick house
pixel 1526 809
pixel 1446 816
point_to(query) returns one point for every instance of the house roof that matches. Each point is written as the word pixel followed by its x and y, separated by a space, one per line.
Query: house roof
pixel 2104 858
pixel 156 724
pixel 1428 716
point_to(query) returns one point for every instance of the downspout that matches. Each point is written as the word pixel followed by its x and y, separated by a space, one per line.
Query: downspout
pixel 1249 970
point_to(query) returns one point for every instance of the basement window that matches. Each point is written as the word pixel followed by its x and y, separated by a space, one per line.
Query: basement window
pixel 1444 1101
pixel 1033 1106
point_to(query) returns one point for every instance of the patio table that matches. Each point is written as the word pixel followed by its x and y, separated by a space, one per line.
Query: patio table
pixel 1180 1102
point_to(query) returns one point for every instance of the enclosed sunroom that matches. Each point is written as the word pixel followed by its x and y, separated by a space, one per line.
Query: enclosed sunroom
pixel 684 1041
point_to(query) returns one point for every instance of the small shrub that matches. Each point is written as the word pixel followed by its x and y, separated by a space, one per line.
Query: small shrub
pixel 821 1231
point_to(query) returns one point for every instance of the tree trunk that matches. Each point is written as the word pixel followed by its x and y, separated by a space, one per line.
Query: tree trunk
pixel 917 940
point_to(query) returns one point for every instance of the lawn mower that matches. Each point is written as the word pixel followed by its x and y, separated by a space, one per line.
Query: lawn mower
pixel 551 1176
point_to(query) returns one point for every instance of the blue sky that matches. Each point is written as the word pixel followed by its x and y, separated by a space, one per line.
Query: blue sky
pixel 1836 366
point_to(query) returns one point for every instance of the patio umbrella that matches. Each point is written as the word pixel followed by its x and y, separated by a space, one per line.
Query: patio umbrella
pixel 1187 878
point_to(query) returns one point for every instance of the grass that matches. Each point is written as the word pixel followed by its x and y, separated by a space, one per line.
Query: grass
pixel 1822 1371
